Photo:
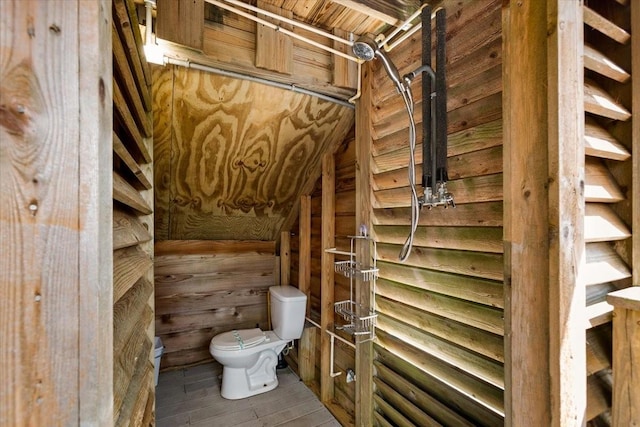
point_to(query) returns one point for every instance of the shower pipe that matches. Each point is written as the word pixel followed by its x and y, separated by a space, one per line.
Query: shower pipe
pixel 284 30
pixel 389 47
pixel 338 337
pixel 190 64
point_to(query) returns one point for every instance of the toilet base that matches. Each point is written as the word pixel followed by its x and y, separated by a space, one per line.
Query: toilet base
pixel 238 383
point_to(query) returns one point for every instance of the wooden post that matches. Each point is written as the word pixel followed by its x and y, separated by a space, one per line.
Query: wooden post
pixel 543 211
pixel 285 258
pixel 626 356
pixel 565 89
pixel 304 249
pixel 364 351
pixel 56 213
pixel 327 279
pixel 307 354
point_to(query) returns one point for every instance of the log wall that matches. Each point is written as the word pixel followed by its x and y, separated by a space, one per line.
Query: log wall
pixel 133 328
pixel 203 288
pixel 439 353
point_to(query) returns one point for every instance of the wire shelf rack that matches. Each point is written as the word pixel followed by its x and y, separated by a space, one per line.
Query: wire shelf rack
pixel 360 320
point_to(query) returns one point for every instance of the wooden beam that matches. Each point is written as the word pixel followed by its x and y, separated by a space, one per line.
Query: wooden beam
pixel 364 350
pixel 525 215
pixel 285 258
pixel 304 250
pixel 367 10
pixel 327 279
pixel 307 354
pixel 567 350
pixel 55 213
pixel 626 356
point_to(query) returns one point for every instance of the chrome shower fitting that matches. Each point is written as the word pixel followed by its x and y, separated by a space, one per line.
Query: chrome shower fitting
pixel 366 49
pixel 441 197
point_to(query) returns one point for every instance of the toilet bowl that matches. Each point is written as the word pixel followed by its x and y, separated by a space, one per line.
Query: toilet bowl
pixel 249 356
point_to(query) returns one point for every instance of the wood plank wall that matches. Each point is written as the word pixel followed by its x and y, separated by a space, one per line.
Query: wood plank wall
pixel 343 392
pixel 133 303
pixel 439 352
pixel 204 288
pixel 55 214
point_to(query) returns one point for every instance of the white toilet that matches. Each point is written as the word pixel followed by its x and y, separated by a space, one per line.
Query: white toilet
pixel 249 356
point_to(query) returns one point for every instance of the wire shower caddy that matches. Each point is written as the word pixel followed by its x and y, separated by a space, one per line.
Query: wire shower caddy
pixel 360 320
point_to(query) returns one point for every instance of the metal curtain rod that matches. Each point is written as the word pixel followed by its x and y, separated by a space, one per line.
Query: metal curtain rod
pixel 273 26
pixel 291 87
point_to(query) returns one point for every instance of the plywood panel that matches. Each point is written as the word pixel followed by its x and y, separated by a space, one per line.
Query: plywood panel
pixel 236 170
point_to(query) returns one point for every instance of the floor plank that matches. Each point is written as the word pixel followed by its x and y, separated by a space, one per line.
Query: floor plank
pixel 191 397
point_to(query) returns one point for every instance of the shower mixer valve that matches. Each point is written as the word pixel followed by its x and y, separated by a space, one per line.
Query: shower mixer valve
pixel 441 197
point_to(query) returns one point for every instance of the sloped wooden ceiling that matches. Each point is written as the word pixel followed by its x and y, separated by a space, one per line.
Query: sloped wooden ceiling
pixel 233 156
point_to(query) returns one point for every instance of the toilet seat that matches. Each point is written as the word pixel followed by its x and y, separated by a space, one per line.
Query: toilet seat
pixel 238 339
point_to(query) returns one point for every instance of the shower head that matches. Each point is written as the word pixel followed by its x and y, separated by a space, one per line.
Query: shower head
pixel 366 49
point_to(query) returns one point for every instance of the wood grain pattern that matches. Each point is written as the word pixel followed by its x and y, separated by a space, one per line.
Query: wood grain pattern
pixel 420 398
pixel 171 19
pixel 231 167
pixel 129 265
pixel 55 220
pixel 475 399
pixel 128 230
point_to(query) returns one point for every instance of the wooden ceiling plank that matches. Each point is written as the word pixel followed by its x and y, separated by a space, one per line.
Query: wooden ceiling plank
pixel 369 11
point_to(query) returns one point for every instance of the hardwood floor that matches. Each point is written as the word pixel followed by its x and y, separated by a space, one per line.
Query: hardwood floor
pixel 191 397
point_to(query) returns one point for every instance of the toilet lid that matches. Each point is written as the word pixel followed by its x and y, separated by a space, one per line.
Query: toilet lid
pixel 238 339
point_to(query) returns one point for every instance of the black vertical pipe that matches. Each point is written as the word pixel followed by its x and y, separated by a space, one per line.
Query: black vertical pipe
pixel 427 173
pixel 441 97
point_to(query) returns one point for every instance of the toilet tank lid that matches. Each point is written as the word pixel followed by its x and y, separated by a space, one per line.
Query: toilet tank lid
pixel 238 339
pixel 287 293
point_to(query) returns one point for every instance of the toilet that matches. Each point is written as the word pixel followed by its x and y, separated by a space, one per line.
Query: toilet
pixel 249 356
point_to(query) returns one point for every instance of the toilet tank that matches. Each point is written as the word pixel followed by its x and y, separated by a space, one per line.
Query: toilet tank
pixel 288 308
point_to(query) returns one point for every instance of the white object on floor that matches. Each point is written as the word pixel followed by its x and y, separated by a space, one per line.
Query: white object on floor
pixel 249 356
pixel 158 350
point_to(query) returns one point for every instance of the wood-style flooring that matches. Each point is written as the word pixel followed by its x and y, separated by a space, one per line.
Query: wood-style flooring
pixel 191 397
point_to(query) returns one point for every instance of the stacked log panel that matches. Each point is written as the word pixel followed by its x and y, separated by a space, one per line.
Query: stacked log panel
pixel 133 330
pixel 440 326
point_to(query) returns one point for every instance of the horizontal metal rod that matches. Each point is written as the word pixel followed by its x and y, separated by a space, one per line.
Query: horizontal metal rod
pixel 233 74
pixel 283 30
